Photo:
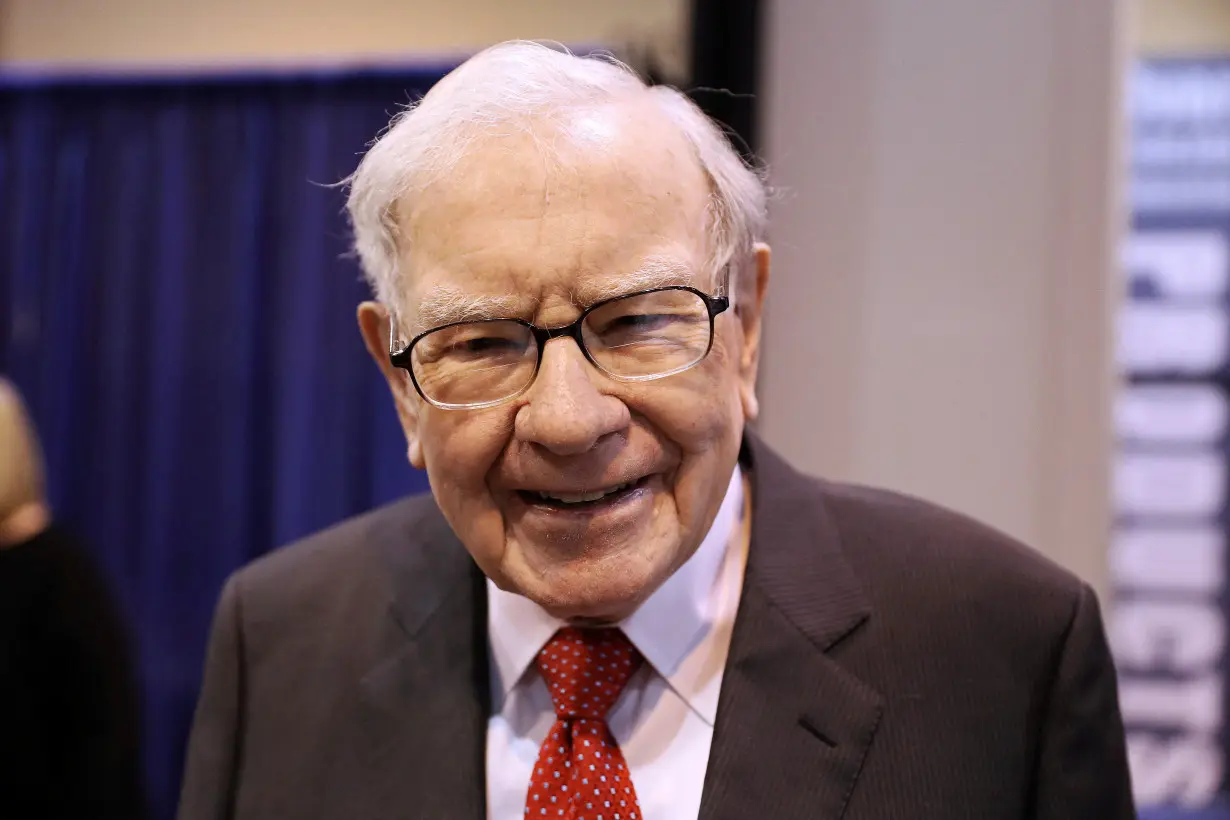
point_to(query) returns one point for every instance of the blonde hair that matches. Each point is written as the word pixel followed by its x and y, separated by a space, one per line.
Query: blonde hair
pixel 21 458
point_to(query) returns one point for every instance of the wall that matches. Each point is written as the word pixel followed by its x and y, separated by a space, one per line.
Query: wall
pixel 249 31
pixel 1175 27
pixel 941 316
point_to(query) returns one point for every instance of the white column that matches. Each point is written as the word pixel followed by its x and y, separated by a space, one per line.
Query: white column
pixel 945 238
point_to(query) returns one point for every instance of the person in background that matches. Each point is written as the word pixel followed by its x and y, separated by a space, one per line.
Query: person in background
pixel 68 700
pixel 618 603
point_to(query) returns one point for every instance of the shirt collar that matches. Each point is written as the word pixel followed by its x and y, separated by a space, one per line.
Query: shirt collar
pixel 665 629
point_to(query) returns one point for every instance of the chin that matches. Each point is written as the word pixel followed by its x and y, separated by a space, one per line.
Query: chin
pixel 593 597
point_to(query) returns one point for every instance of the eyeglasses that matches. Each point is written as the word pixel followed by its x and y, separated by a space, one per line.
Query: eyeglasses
pixel 638 337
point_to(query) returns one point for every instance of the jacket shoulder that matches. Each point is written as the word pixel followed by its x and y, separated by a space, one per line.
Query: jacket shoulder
pixel 940 580
pixel 898 532
pixel 342 550
pixel 345 574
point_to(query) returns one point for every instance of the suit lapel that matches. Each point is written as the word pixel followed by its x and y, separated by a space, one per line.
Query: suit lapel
pixel 427 700
pixel 793 726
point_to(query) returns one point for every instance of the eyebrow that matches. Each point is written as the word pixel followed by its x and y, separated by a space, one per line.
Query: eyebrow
pixel 654 272
pixel 447 304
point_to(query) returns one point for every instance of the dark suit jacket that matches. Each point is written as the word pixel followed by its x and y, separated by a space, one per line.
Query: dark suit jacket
pixel 890 660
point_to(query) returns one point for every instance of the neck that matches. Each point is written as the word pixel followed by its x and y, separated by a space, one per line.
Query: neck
pixel 24 523
pixel 593 623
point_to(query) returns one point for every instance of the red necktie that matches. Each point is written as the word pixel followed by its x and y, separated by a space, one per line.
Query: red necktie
pixel 581 774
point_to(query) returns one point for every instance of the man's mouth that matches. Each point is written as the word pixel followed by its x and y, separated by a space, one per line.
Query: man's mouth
pixel 583 500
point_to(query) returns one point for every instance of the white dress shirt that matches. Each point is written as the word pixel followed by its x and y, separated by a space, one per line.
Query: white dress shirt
pixel 664 719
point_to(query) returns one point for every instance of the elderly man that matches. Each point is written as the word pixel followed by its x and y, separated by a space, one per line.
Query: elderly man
pixel 617 602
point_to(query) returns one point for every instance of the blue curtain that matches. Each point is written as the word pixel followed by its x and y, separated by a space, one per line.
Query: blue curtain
pixel 177 305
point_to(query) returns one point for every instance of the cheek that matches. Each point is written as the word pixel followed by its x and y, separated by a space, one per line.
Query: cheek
pixel 696 410
pixel 459 448
pixel 701 414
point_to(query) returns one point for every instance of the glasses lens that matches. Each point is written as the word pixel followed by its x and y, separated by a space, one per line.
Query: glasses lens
pixel 649 334
pixel 474 363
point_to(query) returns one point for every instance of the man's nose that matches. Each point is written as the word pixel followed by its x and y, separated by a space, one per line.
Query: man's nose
pixel 566 412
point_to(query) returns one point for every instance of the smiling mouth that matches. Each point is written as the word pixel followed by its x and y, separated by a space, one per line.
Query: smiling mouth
pixel 583 501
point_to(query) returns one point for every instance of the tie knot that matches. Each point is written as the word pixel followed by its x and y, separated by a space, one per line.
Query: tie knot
pixel 586 670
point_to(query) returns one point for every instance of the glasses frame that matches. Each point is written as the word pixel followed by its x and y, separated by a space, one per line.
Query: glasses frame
pixel 401 357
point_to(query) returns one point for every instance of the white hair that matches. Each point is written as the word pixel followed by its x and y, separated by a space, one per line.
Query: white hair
pixel 509 85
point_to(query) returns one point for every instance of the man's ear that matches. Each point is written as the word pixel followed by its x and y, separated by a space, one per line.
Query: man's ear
pixel 374 325
pixel 749 307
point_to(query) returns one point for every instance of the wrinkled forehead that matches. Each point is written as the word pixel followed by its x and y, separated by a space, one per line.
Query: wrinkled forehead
pixel 585 204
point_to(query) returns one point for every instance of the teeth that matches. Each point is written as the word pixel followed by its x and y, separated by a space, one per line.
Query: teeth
pixel 581 498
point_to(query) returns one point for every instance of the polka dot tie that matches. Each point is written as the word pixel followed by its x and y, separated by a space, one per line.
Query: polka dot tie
pixel 581 773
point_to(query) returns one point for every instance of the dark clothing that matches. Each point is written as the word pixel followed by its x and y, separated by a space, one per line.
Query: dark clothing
pixel 890 661
pixel 68 703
